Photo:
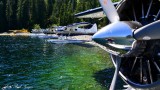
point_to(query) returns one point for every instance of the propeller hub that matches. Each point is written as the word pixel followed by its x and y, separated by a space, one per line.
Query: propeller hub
pixel 116 37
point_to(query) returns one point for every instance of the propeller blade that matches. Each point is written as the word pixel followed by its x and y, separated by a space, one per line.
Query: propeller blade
pixel 109 10
pixel 114 80
pixel 148 32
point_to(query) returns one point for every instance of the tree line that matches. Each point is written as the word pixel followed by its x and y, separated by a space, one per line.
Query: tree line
pixel 19 14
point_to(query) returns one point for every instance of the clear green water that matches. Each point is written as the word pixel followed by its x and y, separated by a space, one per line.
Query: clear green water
pixel 33 64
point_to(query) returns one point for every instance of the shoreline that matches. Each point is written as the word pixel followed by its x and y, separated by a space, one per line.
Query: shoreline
pixel 14 34
pixel 78 37
pixel 86 38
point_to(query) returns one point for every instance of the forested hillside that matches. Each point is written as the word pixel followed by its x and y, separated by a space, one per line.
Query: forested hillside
pixel 18 14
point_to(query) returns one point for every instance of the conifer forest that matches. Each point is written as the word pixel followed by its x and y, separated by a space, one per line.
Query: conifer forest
pixel 24 14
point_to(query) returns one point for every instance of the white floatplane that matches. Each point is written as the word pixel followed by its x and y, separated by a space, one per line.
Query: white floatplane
pixel 82 28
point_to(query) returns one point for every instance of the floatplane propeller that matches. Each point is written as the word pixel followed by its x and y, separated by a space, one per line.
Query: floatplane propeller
pixel 120 34
pixel 132 39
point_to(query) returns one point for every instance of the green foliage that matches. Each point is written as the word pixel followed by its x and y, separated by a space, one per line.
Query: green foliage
pixel 18 14
pixel 36 26
pixel 53 25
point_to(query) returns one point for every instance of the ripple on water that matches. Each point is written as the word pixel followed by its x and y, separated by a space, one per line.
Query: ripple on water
pixel 16 87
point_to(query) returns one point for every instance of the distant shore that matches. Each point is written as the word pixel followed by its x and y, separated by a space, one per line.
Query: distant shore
pixel 79 37
pixel 13 34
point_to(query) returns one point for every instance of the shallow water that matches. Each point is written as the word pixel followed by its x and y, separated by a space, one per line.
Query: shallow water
pixel 33 64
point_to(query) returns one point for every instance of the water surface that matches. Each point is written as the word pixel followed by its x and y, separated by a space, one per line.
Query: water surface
pixel 29 63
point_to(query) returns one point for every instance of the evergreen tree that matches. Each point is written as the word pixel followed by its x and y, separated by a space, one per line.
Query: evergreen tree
pixel 18 14
pixel 3 23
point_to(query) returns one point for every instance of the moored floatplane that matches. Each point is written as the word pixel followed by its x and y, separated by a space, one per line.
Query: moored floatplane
pixel 82 28
pixel 66 33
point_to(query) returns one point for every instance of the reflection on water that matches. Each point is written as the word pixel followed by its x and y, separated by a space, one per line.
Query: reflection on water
pixel 30 63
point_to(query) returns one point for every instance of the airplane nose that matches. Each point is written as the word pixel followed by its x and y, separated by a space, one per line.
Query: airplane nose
pixel 118 33
pixel 100 36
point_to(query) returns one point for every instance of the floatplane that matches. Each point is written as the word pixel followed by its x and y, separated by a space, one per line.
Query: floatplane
pixel 65 33
pixel 133 40
pixel 82 28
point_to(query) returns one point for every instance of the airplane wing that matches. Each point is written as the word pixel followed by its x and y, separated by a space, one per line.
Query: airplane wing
pixel 93 13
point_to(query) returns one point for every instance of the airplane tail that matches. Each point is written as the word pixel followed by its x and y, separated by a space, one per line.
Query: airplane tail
pixel 92 30
pixel 109 10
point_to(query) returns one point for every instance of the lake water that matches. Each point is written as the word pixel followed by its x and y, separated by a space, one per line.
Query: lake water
pixel 30 63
